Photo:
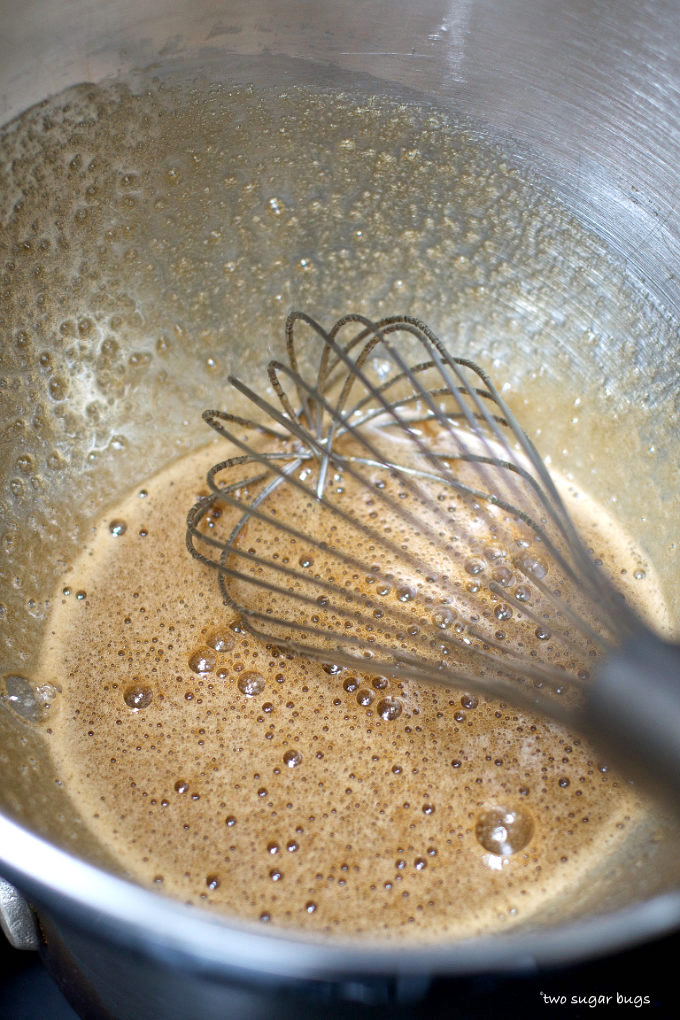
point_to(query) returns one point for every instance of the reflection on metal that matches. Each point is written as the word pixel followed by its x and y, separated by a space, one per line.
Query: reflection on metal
pixel 17 920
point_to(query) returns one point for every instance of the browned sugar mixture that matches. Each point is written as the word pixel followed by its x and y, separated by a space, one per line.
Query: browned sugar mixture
pixel 265 786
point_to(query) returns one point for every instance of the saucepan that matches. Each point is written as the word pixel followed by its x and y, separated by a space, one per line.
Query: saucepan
pixel 578 102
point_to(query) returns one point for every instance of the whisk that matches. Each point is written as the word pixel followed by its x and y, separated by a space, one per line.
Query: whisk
pixel 391 515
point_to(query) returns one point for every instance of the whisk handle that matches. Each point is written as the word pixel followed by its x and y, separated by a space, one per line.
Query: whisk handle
pixel 633 709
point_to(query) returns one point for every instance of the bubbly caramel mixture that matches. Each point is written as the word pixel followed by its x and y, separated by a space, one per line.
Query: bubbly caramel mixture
pixel 268 787
pixel 154 232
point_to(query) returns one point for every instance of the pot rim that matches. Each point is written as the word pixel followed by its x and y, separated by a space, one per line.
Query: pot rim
pixel 117 910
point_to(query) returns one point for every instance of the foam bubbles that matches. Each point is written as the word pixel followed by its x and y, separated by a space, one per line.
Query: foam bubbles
pixel 389 708
pixel 137 696
pixel 21 697
pixel 411 756
pixel 474 566
pixel 202 660
pixel 504 830
pixel 292 758
pixel 534 567
pixel 443 618
pixel 223 743
pixel 222 640
pixel 251 683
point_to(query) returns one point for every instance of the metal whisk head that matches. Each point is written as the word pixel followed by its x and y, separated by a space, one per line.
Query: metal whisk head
pixel 389 513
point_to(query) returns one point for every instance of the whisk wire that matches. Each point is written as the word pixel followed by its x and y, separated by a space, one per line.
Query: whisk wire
pixel 543 486
pixel 315 428
pixel 266 459
pixel 401 488
pixel 439 357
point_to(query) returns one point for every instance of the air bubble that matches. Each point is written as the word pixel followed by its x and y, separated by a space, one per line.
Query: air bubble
pixel 58 389
pixel 203 660
pixel 474 566
pixel 292 758
pixel 405 594
pixel 443 618
pixel 469 701
pixel 365 697
pixel 137 697
pixel 503 576
pixel 494 553
pixel 20 696
pixel 389 708
pixel 117 528
pixel 504 831
pixel 221 640
pixel 212 882
pixel 251 684
pixel 534 567
pixel 502 612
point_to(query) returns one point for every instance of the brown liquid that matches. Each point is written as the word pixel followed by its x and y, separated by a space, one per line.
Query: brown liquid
pixel 268 787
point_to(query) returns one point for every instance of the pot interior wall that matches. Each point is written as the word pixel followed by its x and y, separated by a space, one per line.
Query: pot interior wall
pixel 153 237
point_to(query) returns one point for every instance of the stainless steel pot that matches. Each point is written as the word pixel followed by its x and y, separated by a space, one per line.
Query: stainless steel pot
pixel 585 96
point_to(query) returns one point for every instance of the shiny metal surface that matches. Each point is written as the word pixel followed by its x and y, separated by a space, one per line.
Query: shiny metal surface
pixel 590 95
pixel 591 90
pixel 17 920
